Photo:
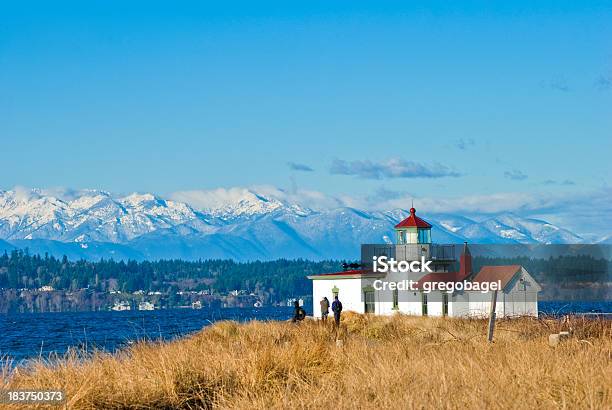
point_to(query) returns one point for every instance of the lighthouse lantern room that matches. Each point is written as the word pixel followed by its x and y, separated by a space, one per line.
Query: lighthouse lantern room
pixel 413 230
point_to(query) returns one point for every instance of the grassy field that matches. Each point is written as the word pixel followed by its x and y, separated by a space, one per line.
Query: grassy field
pixel 383 362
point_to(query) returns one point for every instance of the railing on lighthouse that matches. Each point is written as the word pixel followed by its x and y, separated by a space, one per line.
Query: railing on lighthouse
pixel 408 252
pixel 413 236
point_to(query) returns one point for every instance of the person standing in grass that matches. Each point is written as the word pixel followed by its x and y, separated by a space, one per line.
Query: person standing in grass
pixel 337 308
pixel 324 308
pixel 299 313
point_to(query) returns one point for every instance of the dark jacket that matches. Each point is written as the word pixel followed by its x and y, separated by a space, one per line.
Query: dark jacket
pixel 298 313
pixel 337 307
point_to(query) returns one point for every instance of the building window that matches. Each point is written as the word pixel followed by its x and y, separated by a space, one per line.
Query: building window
pixel 395 299
pixel 444 304
pixel 424 304
pixel 368 297
pixel 424 236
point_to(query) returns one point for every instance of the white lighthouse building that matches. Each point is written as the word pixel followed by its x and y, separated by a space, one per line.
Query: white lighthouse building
pixel 360 290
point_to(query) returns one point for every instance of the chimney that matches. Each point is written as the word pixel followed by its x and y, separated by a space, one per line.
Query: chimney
pixel 465 262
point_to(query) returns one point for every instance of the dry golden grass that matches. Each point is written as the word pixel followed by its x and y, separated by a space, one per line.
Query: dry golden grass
pixel 385 362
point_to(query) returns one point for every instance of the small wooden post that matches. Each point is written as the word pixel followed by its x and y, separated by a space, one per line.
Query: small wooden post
pixel 492 315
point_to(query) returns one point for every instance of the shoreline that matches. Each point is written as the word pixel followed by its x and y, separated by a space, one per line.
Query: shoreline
pixel 32 335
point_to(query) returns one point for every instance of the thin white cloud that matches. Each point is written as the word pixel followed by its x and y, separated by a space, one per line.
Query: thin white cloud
pixel 382 200
pixel 565 182
pixel 212 198
pixel 464 143
pixel 489 204
pixel 391 168
pixel 295 166
pixel 217 198
pixel 583 212
pixel 515 175
pixel 23 193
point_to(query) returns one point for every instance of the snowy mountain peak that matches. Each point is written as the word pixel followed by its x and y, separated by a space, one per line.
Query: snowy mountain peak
pixel 238 223
pixel 136 198
pixel 237 203
pixel 529 230
pixel 86 216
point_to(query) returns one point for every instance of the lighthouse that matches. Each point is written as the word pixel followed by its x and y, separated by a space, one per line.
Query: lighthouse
pixel 413 230
pixel 357 284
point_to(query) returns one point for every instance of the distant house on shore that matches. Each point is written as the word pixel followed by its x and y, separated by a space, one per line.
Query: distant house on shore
pixel 359 289
pixel 121 306
pixel 146 305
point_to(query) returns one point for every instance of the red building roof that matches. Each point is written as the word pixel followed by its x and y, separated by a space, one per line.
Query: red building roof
pixel 494 273
pixel 413 221
pixel 503 273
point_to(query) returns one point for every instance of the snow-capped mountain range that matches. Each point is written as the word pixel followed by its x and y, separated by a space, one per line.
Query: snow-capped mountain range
pixel 93 224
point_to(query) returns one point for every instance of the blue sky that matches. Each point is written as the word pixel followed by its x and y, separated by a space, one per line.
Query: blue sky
pixel 464 103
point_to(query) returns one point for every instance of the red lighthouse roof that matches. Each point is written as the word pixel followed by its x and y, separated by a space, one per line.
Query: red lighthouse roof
pixel 413 221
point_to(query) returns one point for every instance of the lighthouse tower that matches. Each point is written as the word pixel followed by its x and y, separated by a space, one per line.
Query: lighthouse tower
pixel 413 230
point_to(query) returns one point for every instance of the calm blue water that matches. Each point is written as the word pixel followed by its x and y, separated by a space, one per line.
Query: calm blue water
pixel 558 308
pixel 30 335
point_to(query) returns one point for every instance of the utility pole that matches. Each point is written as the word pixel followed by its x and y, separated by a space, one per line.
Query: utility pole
pixel 492 315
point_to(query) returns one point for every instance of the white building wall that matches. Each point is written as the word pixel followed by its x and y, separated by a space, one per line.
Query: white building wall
pixel 409 302
pixel 434 303
pixel 349 293
pixel 480 304
pixel 521 296
pixel 459 305
pixel 520 303
pixel 514 301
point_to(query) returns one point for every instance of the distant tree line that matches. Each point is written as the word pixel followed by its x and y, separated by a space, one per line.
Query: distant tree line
pixel 560 269
pixel 277 279
pixel 576 277
pixel 272 280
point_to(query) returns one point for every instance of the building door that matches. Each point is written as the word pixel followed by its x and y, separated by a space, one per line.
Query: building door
pixel 444 304
pixel 424 304
pixel 368 297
